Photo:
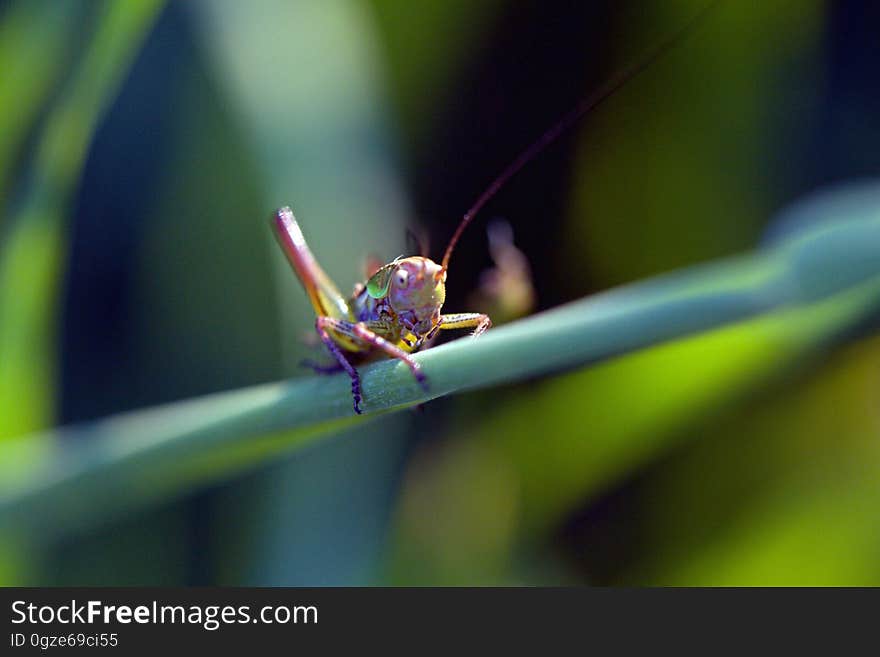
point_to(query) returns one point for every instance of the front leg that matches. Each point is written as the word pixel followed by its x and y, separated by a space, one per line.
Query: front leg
pixel 362 333
pixel 478 321
pixel 324 325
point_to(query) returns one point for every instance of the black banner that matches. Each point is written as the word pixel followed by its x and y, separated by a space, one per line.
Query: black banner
pixel 132 620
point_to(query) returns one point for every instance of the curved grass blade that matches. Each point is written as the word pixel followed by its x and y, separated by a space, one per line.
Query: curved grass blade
pixel 62 480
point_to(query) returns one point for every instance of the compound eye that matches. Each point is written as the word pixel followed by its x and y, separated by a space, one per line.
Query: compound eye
pixel 401 278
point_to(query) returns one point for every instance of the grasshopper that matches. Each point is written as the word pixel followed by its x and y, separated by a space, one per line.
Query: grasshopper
pixel 395 313
pixel 398 310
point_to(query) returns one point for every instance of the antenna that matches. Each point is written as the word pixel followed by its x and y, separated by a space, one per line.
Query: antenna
pixel 568 120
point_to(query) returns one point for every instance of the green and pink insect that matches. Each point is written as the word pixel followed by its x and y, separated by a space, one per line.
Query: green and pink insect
pixel 398 310
pixel 394 314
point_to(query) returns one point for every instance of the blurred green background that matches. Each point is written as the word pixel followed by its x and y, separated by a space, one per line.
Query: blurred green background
pixel 143 145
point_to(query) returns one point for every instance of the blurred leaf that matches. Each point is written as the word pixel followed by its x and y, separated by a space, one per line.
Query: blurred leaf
pixel 426 44
pixel 35 38
pixel 787 491
pixel 632 409
pixel 202 313
pixel 53 481
pixel 16 562
pixel 32 260
pixel 457 518
pixel 675 169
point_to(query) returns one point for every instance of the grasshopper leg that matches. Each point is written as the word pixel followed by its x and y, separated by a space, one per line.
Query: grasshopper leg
pixel 478 321
pixel 362 331
pixel 321 325
pixel 362 334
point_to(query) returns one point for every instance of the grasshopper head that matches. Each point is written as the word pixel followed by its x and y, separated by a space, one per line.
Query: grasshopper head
pixel 411 284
